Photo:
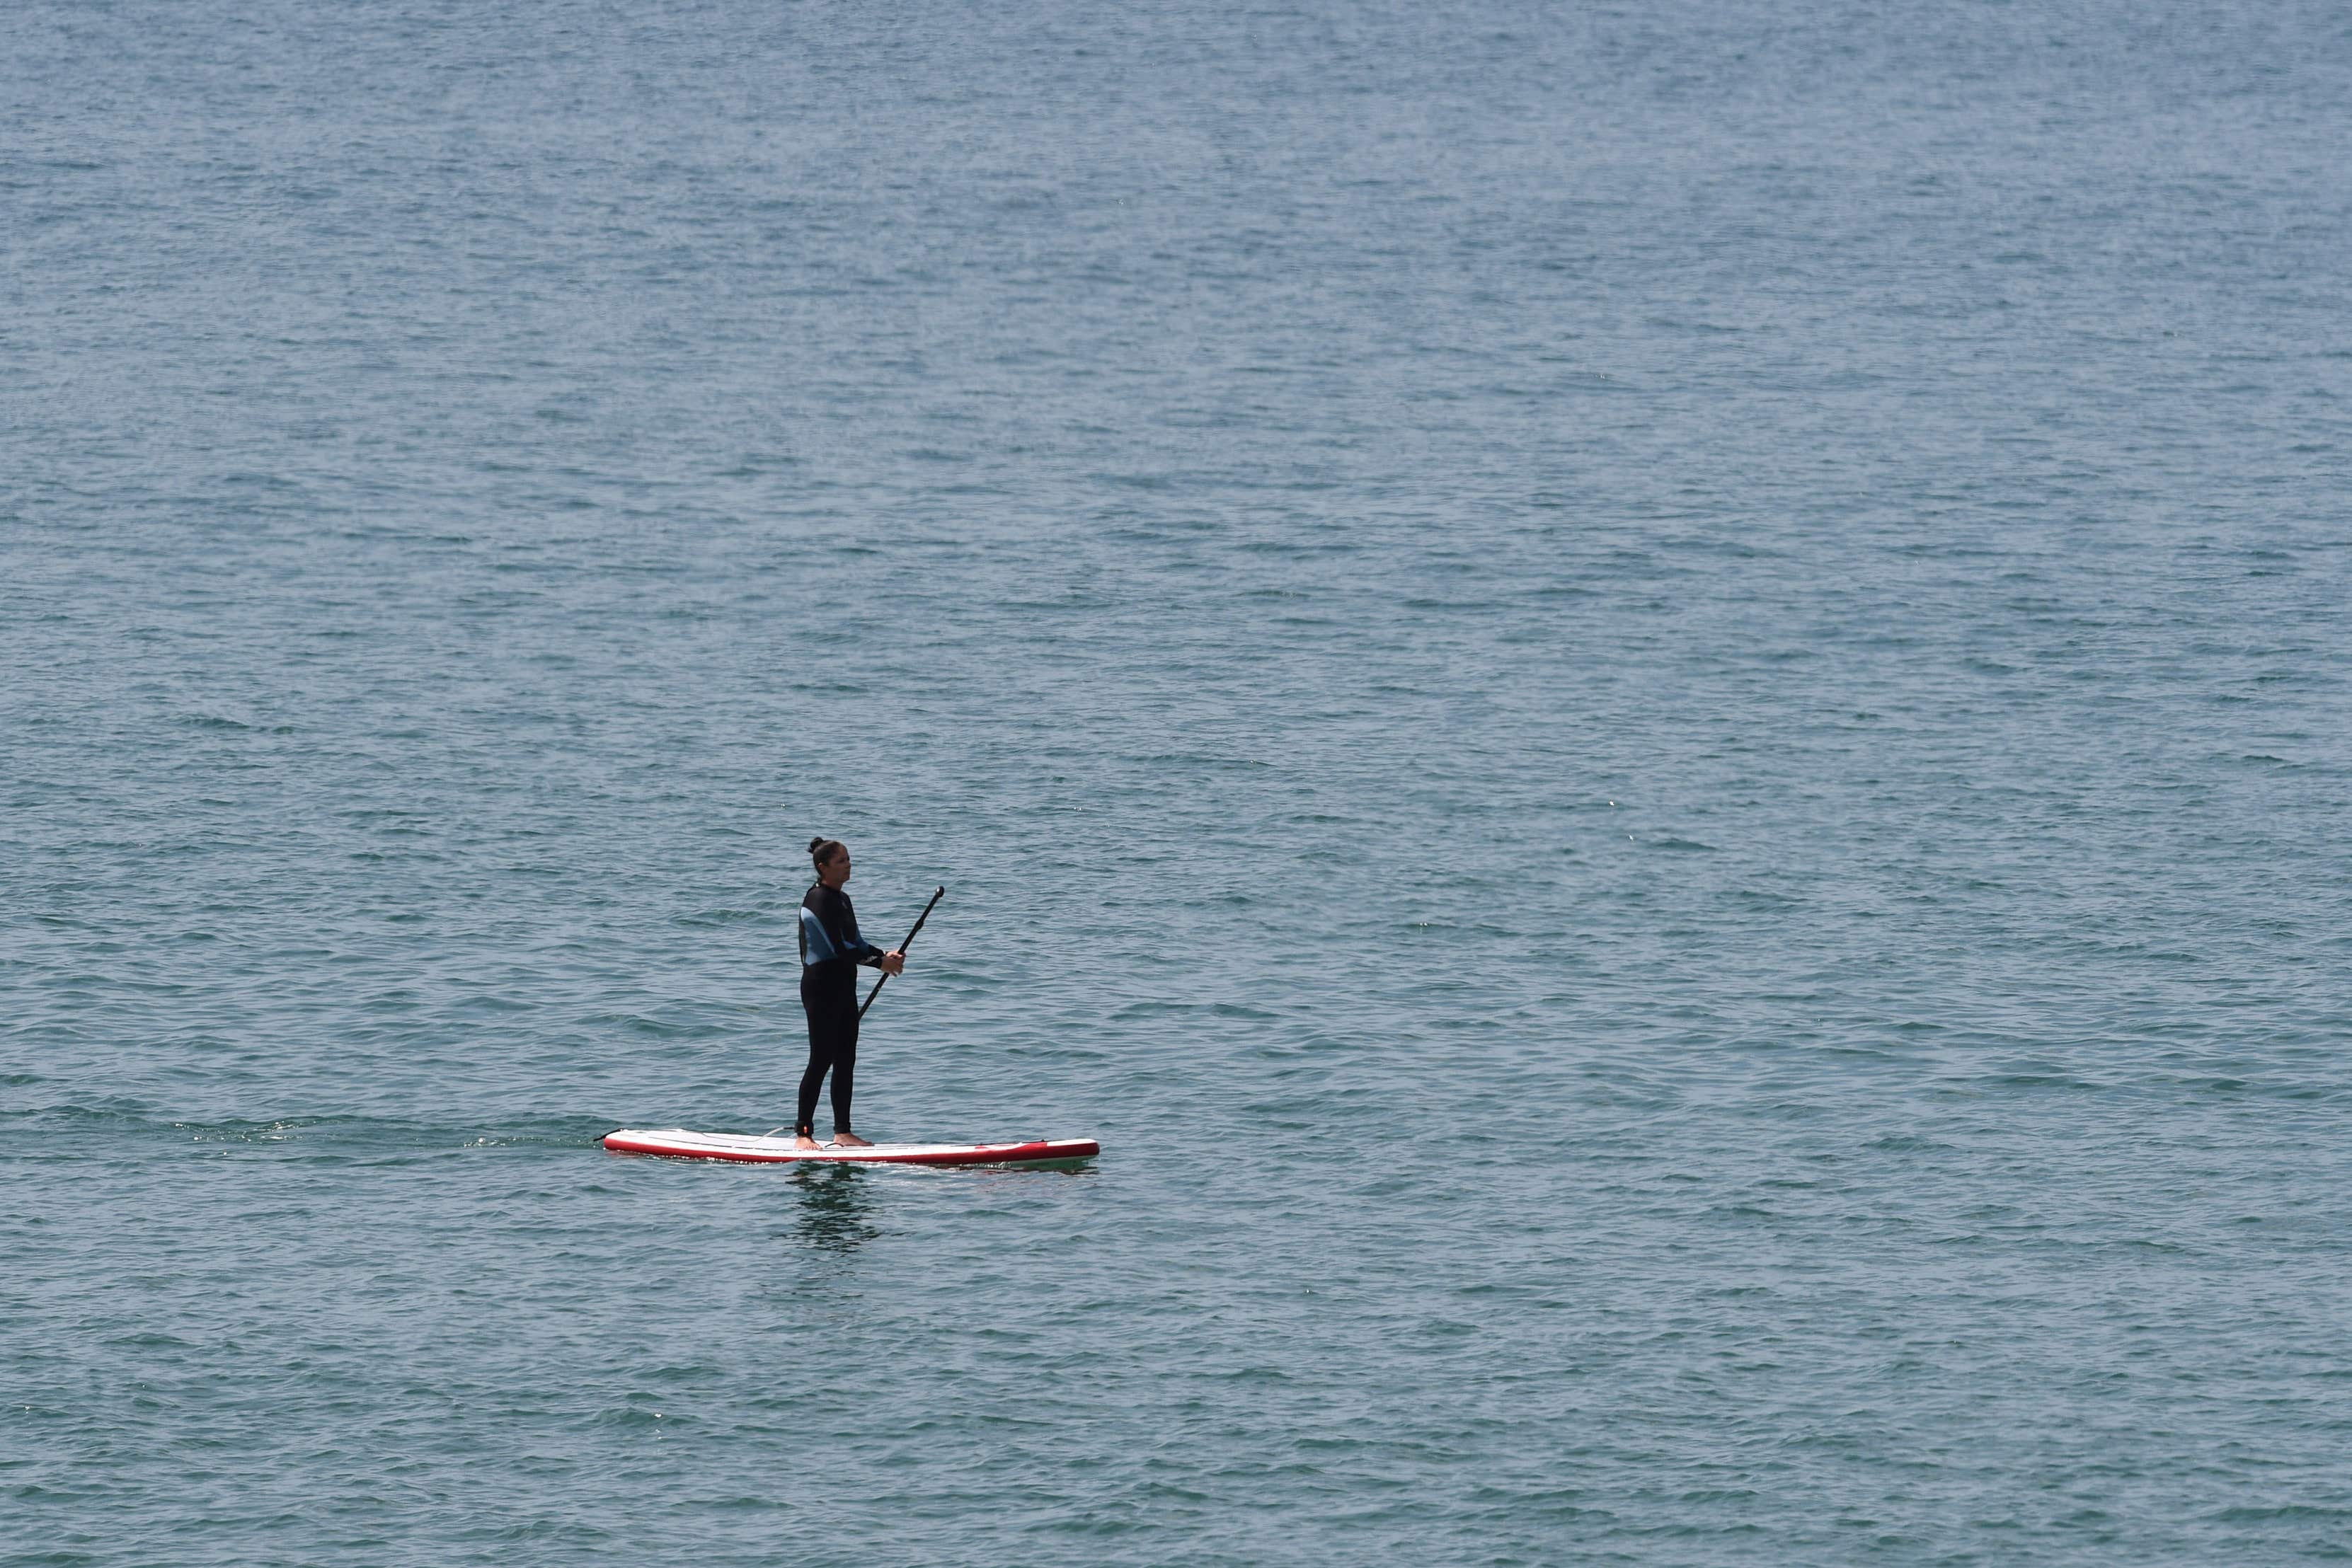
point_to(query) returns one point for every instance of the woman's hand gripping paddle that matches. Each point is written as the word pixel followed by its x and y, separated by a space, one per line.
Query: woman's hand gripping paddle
pixel 909 942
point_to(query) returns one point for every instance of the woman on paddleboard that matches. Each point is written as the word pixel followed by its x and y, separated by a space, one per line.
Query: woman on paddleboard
pixel 830 951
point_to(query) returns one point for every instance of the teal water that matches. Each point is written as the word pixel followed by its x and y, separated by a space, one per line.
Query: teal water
pixel 1647 705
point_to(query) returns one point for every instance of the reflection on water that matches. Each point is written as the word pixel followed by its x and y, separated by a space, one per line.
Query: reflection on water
pixel 833 1207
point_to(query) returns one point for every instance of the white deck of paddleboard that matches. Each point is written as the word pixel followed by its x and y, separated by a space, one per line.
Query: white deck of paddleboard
pixel 678 1142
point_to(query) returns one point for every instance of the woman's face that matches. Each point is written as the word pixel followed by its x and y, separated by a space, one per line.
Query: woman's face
pixel 836 872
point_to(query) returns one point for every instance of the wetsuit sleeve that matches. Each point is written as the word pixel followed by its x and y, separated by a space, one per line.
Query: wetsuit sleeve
pixel 858 948
pixel 861 950
pixel 829 933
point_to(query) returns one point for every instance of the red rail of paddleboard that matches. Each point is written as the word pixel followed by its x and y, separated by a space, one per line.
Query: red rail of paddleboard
pixel 626 1143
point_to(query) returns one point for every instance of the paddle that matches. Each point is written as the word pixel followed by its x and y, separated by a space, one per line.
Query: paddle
pixel 909 942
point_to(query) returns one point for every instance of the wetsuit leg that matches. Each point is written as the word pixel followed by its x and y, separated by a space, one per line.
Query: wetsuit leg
pixel 810 1080
pixel 833 1046
pixel 844 1066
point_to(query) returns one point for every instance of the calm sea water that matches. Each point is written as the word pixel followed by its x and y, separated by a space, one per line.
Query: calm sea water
pixel 1648 703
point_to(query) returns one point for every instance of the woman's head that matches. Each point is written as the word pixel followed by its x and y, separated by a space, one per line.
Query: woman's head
pixel 832 859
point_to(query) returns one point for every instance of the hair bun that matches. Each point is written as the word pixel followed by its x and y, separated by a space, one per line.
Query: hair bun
pixel 815 844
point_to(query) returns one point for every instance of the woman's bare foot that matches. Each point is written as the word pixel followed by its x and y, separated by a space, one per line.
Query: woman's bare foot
pixel 848 1140
pixel 802 1141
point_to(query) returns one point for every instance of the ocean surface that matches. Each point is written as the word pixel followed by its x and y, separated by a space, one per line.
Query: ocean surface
pixel 1647 702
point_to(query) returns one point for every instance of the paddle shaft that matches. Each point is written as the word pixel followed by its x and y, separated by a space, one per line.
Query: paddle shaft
pixel 909 942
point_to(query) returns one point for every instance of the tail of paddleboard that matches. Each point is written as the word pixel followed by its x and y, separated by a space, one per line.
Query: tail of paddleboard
pixel 677 1142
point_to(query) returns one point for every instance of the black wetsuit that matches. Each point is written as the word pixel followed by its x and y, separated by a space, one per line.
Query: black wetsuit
pixel 830 951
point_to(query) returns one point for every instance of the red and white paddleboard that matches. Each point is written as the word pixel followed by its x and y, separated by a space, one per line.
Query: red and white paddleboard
pixel 678 1143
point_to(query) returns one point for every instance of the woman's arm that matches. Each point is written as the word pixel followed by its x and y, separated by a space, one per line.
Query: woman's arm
pixel 841 917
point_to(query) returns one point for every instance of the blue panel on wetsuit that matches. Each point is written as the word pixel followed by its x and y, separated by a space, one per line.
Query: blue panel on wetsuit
pixel 829 930
pixel 816 943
